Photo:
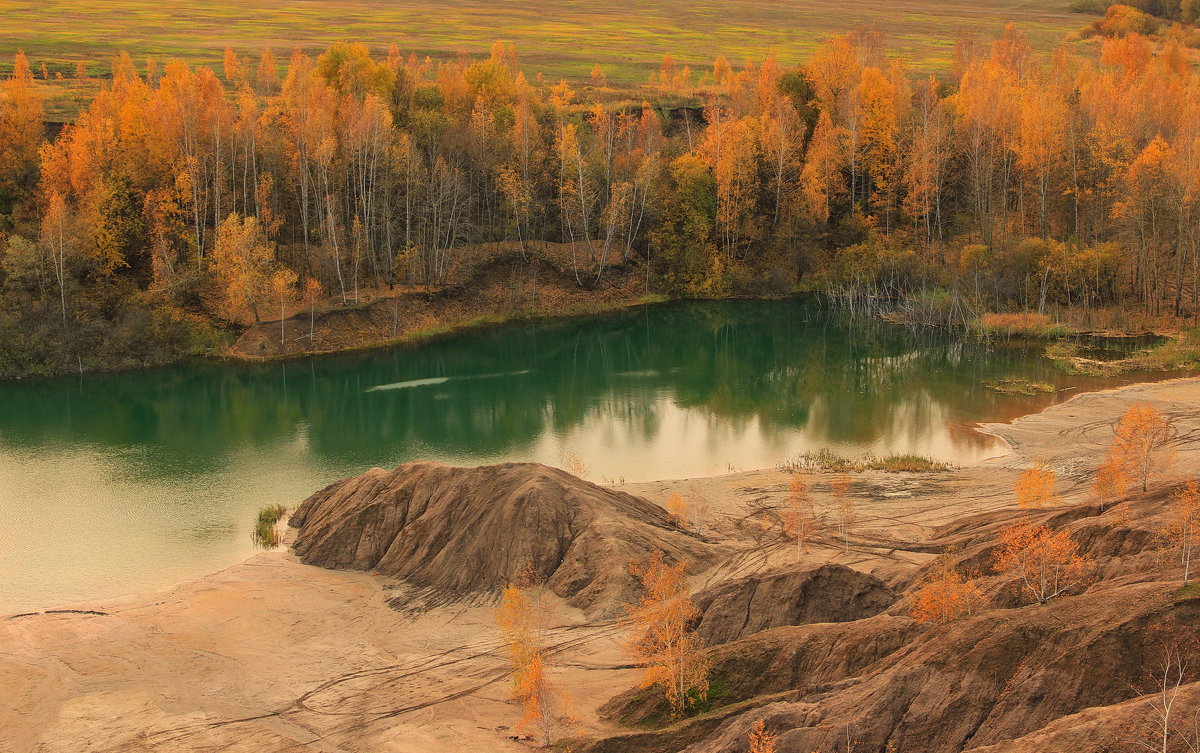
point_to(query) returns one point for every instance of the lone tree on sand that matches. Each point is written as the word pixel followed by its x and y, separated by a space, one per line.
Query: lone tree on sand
pixel 1141 443
pixel 660 637
pixel 843 507
pixel 677 509
pixel 1183 531
pixel 1035 487
pixel 945 596
pixel 800 520
pixel 1047 563
pixel 545 705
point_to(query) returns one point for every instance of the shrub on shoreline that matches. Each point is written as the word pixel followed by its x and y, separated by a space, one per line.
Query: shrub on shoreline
pixel 265 534
pixel 827 460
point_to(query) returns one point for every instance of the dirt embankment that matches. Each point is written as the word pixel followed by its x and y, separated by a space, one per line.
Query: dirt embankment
pixel 503 283
pixel 276 655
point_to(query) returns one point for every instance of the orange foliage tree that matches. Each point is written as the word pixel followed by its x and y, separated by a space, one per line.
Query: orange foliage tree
pixel 1111 480
pixel 843 507
pixel 21 127
pixel 1183 531
pixel 945 596
pixel 800 520
pixel 1035 487
pixel 1141 443
pixel 1047 563
pixel 243 263
pixel 520 622
pixel 820 177
pixel 762 741
pixel 677 509
pixel 60 246
pixel 312 289
pixel 660 637
pixel 283 281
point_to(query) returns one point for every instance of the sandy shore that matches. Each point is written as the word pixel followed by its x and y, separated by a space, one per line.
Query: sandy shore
pixel 272 655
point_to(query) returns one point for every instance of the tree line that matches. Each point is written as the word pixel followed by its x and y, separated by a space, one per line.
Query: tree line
pixel 1015 181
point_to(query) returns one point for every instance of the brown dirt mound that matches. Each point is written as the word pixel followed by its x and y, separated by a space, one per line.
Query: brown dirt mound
pixel 1122 540
pixel 788 596
pixel 463 531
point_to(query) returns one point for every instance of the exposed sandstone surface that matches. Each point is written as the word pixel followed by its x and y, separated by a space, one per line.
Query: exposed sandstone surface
pixel 887 681
pixel 795 595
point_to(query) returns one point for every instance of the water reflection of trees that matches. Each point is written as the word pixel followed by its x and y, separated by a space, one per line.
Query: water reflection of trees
pixel 784 365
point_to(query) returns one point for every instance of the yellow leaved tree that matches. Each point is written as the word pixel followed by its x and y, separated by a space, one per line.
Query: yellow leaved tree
pixel 1045 562
pixel 660 637
pixel 521 622
pixel 1183 530
pixel 762 741
pixel 946 596
pixel 243 265
pixel 1035 487
pixel 1141 444
pixel 800 519
pixel 844 514
pixel 677 509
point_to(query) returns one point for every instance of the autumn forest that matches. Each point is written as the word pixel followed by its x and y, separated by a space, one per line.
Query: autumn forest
pixel 754 377
pixel 184 202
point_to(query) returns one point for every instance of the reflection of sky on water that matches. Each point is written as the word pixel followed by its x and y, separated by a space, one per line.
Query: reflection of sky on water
pixel 119 483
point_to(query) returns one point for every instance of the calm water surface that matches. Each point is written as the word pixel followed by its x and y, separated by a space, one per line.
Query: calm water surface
pixel 113 484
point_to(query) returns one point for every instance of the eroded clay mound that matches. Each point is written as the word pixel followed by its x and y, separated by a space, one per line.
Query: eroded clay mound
pixel 1093 730
pixel 788 596
pixel 806 660
pixel 462 531
pixel 1015 676
pixel 897 685
pixel 996 677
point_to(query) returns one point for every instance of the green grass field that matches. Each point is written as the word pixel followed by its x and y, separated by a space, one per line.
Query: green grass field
pixel 559 38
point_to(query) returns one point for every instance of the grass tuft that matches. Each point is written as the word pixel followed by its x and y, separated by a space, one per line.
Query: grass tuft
pixel 265 534
pixel 905 463
pixel 1017 386
pixel 828 460
pixel 1188 591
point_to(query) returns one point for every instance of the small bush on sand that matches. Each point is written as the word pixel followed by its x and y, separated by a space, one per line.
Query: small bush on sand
pixel 828 460
pixel 264 534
